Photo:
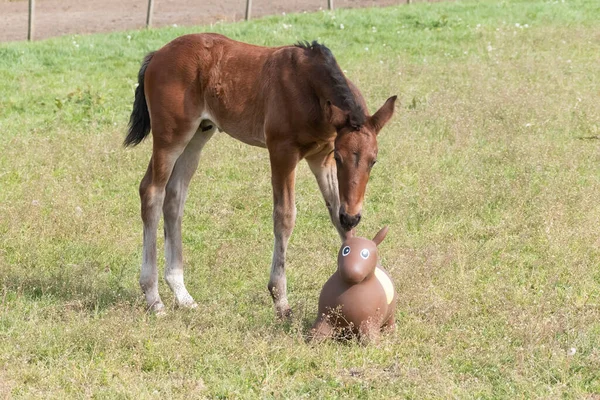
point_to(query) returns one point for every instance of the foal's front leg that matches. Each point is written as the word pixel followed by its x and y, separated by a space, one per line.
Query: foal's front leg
pixel 324 169
pixel 283 173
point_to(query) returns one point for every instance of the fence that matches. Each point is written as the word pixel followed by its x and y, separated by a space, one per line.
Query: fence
pixel 150 13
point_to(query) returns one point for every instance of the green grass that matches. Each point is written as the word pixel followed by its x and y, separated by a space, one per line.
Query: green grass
pixel 488 176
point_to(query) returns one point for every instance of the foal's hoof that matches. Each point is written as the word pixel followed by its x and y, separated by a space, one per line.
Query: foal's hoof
pixel 184 300
pixel 157 309
pixel 284 314
pixel 187 304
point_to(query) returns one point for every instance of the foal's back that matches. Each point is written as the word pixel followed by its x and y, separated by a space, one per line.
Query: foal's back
pixel 240 87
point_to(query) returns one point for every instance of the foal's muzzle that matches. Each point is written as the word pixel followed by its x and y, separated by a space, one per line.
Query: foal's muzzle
pixel 349 221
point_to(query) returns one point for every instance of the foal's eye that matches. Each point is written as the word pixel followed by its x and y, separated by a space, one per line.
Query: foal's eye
pixel 346 251
pixel 337 158
pixel 365 253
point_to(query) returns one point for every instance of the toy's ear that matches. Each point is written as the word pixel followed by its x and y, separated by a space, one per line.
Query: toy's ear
pixel 380 235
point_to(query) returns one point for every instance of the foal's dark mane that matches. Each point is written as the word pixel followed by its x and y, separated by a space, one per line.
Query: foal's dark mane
pixel 342 95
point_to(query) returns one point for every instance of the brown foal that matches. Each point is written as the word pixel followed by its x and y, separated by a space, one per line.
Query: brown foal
pixel 293 100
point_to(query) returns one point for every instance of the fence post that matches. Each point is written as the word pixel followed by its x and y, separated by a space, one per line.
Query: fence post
pixel 330 4
pixel 248 9
pixel 30 24
pixel 150 12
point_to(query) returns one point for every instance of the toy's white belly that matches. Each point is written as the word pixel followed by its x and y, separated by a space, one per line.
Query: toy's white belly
pixel 386 282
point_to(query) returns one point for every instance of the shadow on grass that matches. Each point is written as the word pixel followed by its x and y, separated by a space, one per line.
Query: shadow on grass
pixel 302 321
pixel 79 285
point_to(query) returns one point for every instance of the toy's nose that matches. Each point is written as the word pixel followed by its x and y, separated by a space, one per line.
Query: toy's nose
pixel 349 221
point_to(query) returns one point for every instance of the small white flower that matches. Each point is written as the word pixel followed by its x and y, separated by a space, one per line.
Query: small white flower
pixel 286 26
pixel 283 13
pixel 526 25
pixel 571 351
pixel 366 49
pixel 341 26
pixel 128 37
pixel 373 29
pixel 568 61
pixel 517 25
pixel 174 25
pixel 380 61
pixel 78 211
pixel 528 124
pixel 345 71
pixel 489 47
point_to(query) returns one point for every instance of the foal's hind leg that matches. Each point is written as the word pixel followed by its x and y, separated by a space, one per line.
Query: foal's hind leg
pixel 323 167
pixel 152 195
pixel 176 194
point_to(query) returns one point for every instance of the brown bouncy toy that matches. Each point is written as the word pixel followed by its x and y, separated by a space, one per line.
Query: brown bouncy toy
pixel 359 298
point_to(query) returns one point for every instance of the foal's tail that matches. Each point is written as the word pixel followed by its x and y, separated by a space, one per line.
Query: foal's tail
pixel 139 122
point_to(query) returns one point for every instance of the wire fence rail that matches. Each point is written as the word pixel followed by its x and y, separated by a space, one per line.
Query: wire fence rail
pixel 150 14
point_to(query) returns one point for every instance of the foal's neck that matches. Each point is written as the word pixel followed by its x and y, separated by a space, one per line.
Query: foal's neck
pixel 330 83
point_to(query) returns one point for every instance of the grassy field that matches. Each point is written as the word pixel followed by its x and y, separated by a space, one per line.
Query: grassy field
pixel 488 176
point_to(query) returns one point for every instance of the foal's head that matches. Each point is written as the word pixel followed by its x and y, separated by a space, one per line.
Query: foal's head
pixel 355 154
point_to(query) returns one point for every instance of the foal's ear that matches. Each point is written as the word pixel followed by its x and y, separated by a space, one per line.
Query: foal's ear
pixel 383 115
pixel 335 115
pixel 380 235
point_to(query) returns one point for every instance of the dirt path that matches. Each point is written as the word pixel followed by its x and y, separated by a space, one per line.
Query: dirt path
pixel 61 17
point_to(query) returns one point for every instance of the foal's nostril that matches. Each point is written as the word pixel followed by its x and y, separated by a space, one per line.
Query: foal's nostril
pixel 348 221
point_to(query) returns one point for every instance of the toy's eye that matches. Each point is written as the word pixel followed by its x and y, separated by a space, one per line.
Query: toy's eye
pixel 346 251
pixel 365 253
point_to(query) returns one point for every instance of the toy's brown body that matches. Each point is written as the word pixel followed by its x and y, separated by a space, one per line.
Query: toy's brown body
pixel 359 297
